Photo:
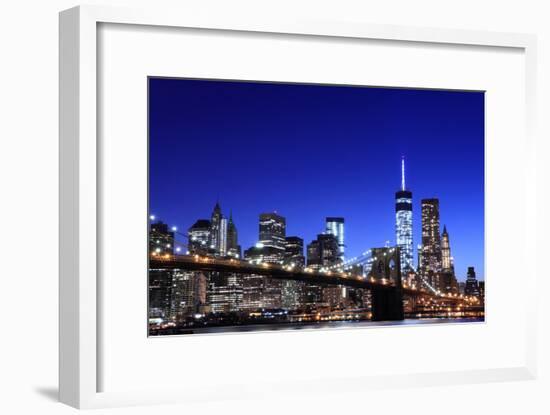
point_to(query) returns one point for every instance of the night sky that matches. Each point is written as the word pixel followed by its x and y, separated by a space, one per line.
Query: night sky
pixel 311 151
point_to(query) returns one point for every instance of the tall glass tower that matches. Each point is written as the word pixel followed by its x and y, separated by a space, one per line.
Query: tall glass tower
pixel 431 242
pixel 335 226
pixel 404 223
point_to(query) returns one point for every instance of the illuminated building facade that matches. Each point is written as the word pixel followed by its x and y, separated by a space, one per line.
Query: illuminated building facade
pixel 161 243
pixel 225 292
pixel 233 247
pixel 215 242
pixel 294 251
pixel 273 231
pixel 198 236
pixel 221 250
pixel 189 294
pixel 431 243
pixel 404 223
pixel 446 258
pixel 448 282
pixel 212 291
pixel 293 291
pixel 217 238
pixel 481 286
pixel 335 226
pixel 160 294
pixel 271 245
pixel 322 253
pixel 161 239
pixel 259 291
pixel 183 294
pixel 472 285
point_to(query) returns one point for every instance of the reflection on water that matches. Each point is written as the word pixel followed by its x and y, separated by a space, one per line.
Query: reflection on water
pixel 318 325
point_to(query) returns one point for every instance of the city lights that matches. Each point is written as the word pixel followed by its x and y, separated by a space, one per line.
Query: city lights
pixel 286 219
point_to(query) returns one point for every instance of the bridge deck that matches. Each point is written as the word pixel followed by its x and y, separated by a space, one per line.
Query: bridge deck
pixel 208 264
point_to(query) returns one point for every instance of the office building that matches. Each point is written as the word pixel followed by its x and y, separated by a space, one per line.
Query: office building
pixel 293 291
pixel 233 247
pixel 198 236
pixel 218 232
pixel 272 231
pixel 323 253
pixel 404 223
pixel 294 251
pixel 472 286
pixel 259 291
pixel 431 243
pixel 335 226
pixel 160 294
pixel 161 239
pixel 448 282
pixel 225 292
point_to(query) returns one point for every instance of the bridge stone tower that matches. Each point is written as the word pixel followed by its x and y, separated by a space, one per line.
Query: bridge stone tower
pixel 387 302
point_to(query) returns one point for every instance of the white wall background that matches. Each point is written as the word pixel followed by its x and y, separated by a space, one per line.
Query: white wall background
pixel 28 174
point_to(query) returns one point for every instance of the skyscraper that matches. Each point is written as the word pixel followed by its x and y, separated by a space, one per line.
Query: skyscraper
pixel 431 242
pixel 160 293
pixel 293 291
pixel 233 247
pixel 404 223
pixel 448 282
pixel 225 292
pixel 161 243
pixel 335 226
pixel 273 231
pixel 272 243
pixel 183 298
pixel 294 251
pixel 161 239
pixel 472 286
pixel 321 253
pixel 215 225
pixel 218 232
pixel 199 237
pixel 446 258
pixel 223 236
pixel 260 291
pixel 481 286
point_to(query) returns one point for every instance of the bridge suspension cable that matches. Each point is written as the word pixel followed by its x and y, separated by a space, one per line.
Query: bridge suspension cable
pixel 363 259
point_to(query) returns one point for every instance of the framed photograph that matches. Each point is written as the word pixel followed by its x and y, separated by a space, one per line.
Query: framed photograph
pixel 321 162
pixel 261 188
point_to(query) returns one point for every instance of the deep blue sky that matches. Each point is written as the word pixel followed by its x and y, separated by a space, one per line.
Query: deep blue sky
pixel 311 151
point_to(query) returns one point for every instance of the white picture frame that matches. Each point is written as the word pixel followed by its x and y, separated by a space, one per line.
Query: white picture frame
pixel 79 170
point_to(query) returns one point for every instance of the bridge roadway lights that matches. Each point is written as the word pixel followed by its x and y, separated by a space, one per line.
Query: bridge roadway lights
pixel 387 301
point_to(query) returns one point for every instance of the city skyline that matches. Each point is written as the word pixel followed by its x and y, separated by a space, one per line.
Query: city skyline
pixel 365 196
pixel 445 262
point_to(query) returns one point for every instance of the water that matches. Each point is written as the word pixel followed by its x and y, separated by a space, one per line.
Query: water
pixel 317 325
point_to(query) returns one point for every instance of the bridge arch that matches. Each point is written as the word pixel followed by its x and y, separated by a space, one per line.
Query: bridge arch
pixel 387 303
pixel 386 265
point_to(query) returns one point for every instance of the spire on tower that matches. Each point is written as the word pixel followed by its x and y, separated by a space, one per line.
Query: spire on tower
pixel 403 173
pixel 217 207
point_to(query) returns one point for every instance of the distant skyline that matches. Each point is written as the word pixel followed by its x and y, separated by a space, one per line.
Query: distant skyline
pixel 312 151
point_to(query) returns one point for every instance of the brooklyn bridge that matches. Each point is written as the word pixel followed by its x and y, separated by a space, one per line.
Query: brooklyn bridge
pixel 389 290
